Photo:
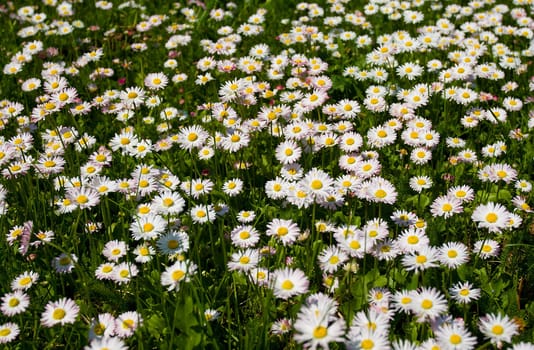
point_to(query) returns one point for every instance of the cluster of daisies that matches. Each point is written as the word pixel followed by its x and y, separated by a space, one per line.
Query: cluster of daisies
pixel 280 100
pixel 318 323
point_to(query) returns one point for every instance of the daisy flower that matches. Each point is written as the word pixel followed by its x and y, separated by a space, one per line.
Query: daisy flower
pixel 244 260
pixel 446 206
pixel 14 303
pixel 25 280
pixel 174 242
pixel 282 326
pixel 463 193
pixel 64 263
pixel 233 187
pixel 168 202
pixel 360 338
pixel 380 190
pixel 289 282
pixel 147 227
pixel 244 236
pixel 202 214
pixel 8 332
pixel 486 248
pixel 123 272
pixel 246 216
pixel 316 332
pixel 464 293
pixel 62 312
pixel 143 253
pixel 453 254
pixel 454 336
pixel 492 216
pixel 331 259
pixel 422 259
pixel 428 304
pixel 284 230
pixel 114 250
pixel 180 271
pixel 156 81
pixel 498 328
pixel 126 324
pixel 419 183
pixel 103 326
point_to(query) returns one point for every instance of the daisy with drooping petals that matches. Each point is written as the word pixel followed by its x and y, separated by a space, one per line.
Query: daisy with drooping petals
pixel 177 273
pixel 126 323
pixel 25 280
pixel 103 326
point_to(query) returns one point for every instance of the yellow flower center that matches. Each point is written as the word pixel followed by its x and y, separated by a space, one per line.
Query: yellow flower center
pixel 334 260
pixel 235 138
pixel 148 227
pixel 497 329
pixel 287 285
pixel 320 332
pixel 367 344
pixel 380 193
pixel 421 259
pixel 173 244
pixel 13 302
pixel 58 314
pixel 354 244
pixel 4 332
pixel 244 260
pixel 413 240
pixel 316 184
pixel 447 207
pixel 282 231
pixel 244 234
pixel 128 324
pixel 455 339
pixel 406 300
pixel 492 218
pixel 427 304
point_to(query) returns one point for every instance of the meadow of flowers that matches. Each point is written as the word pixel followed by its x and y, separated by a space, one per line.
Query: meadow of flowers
pixel 271 175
